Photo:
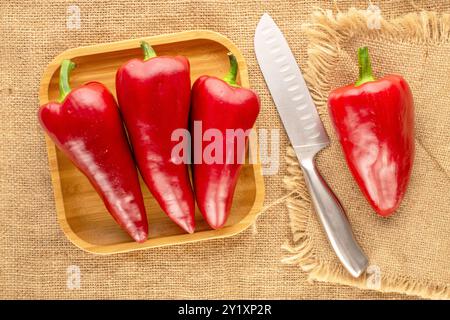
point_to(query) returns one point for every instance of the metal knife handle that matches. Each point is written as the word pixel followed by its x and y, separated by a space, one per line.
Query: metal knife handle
pixel 334 220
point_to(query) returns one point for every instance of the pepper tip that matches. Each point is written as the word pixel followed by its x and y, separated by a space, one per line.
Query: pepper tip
pixel 188 226
pixel 140 236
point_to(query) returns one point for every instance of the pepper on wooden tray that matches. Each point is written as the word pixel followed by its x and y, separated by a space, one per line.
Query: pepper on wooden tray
pixel 85 124
pixel 220 105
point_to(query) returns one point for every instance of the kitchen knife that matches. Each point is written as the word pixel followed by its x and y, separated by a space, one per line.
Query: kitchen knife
pixel 307 135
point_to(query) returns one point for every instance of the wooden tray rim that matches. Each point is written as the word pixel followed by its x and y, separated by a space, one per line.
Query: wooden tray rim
pixel 53 161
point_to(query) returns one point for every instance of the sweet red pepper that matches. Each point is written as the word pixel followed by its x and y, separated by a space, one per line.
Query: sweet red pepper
pixel 374 121
pixel 220 105
pixel 154 98
pixel 85 124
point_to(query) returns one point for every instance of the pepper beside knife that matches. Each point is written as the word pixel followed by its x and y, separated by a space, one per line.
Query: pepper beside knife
pixel 373 119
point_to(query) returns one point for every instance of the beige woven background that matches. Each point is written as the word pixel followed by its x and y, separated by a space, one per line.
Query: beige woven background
pixel 411 249
pixel 34 253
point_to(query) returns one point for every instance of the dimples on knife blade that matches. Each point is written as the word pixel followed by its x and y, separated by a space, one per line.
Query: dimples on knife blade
pixel 288 88
pixel 307 135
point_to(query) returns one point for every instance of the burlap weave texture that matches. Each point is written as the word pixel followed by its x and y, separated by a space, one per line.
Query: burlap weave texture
pixel 34 253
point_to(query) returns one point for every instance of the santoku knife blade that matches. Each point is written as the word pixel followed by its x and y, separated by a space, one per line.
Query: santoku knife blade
pixel 307 135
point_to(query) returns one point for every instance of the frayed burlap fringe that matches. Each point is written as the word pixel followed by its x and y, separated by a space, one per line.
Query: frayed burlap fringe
pixel 325 32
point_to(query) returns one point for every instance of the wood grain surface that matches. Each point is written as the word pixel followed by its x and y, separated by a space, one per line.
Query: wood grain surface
pixel 81 213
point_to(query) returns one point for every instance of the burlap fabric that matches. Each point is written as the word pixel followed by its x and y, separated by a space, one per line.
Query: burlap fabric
pixel 410 251
pixel 34 253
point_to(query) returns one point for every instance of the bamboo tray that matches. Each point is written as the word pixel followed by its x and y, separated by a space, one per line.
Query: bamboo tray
pixel 80 211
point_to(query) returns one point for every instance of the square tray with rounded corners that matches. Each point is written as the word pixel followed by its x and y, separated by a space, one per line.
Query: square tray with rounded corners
pixel 80 211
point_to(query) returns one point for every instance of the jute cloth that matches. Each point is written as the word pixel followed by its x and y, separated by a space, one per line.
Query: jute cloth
pixel 410 251
pixel 35 256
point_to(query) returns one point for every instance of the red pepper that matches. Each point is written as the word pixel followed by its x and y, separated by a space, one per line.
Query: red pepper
pixel 85 124
pixel 154 98
pixel 374 121
pixel 220 105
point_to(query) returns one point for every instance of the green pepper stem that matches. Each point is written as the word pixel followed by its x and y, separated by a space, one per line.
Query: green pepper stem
pixel 64 87
pixel 148 51
pixel 230 78
pixel 365 68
